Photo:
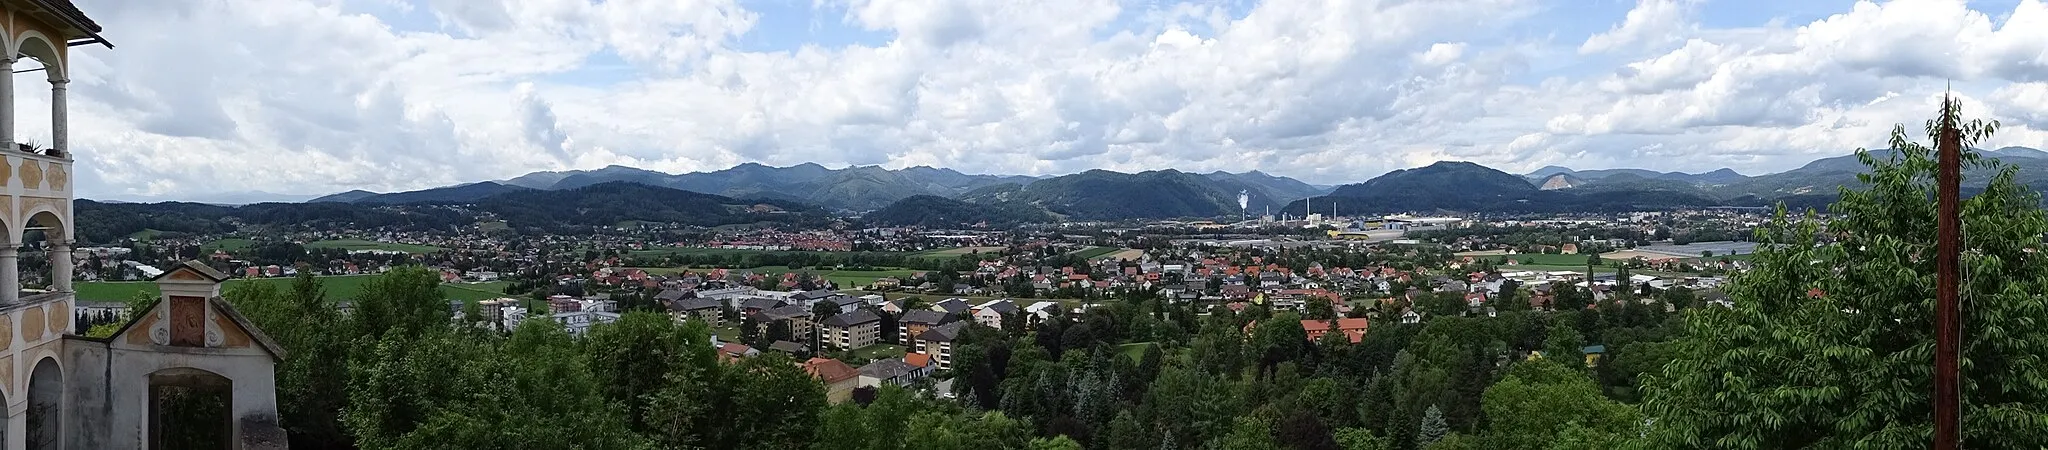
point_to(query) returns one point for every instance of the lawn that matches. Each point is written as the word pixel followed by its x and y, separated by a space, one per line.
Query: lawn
pixel 1581 268
pixel 1095 252
pixel 359 244
pixel 339 287
pixel 144 235
pixel 1546 259
pixel 877 351
pixel 230 245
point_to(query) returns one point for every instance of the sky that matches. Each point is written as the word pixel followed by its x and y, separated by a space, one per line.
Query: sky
pixel 212 99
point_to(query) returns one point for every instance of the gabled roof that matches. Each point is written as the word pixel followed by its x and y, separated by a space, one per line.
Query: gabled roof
pixel 858 317
pixel 944 333
pixel 786 312
pixel 1004 306
pixel 927 317
pixel 917 359
pixel 830 370
pixel 951 305
pixel 671 295
pixel 692 304
pixel 195 268
pixel 221 306
pixel 760 303
pixel 887 369
pixel 788 347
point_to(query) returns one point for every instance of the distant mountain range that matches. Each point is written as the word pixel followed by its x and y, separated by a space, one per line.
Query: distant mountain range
pixel 931 197
pixel 866 188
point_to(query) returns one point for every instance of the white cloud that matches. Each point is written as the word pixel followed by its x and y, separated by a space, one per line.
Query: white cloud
pixel 1652 23
pixel 1443 53
pixel 297 96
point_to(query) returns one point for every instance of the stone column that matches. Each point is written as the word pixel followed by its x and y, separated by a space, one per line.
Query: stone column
pixel 60 122
pixel 10 273
pixel 7 111
pixel 60 266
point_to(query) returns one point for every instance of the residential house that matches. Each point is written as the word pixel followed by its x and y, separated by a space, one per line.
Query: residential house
pixel 669 296
pixel 1352 328
pixel 991 314
pixel 915 322
pixel 794 317
pixel 1411 317
pixel 1593 353
pixel 955 306
pixel 792 349
pixel 891 371
pixel 840 379
pixel 703 309
pixel 758 305
pixel 808 298
pixel 734 351
pixel 1041 311
pixel 938 342
pixel 846 304
pixel 579 322
pixel 852 330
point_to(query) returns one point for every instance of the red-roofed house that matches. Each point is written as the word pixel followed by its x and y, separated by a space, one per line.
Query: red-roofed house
pixel 840 379
pixel 1352 328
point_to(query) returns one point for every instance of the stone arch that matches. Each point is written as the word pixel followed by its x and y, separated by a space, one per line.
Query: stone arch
pixel 35 45
pixel 47 219
pixel 190 408
pixel 45 405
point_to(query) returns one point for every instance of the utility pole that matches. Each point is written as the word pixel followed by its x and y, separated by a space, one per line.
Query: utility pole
pixel 1948 147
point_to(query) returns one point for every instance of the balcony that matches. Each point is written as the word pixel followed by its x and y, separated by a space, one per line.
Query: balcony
pixel 33 175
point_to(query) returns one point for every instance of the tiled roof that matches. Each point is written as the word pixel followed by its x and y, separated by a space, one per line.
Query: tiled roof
pixel 830 370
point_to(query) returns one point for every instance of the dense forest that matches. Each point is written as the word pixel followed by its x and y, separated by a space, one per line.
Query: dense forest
pixel 565 211
pixel 932 211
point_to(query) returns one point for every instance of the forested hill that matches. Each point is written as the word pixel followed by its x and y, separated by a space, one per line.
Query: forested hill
pixel 932 211
pixel 604 204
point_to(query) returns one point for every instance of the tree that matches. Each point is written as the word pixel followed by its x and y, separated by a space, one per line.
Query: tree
pixel 1827 345
pixel 1540 398
pixel 1566 347
pixel 1361 439
pixel 312 380
pixel 1249 433
pixel 1055 443
pixel 1433 428
pixel 627 356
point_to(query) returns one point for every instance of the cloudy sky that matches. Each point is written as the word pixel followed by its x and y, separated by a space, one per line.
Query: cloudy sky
pixel 205 98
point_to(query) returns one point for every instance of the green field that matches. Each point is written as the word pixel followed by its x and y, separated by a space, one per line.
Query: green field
pixel 359 244
pixel 230 245
pixel 1543 259
pixel 340 287
pixel 1581 268
pixel 1095 252
pixel 877 351
pixel 955 252
pixel 144 235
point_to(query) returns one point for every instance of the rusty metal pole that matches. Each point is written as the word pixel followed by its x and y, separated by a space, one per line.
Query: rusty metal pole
pixel 1947 279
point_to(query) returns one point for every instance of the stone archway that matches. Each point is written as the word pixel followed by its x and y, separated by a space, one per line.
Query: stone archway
pixel 190 409
pixel 45 406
